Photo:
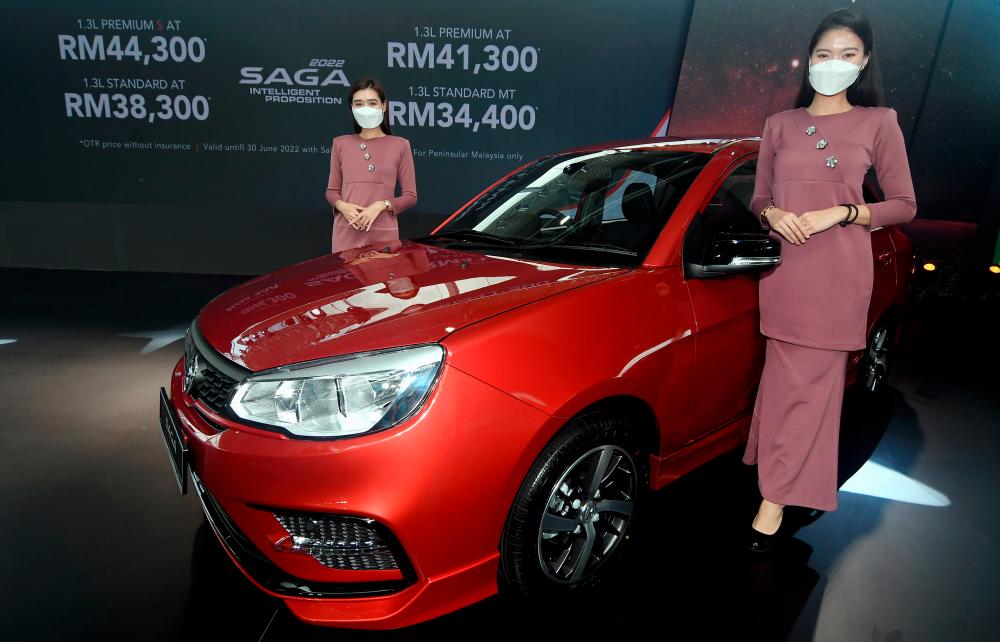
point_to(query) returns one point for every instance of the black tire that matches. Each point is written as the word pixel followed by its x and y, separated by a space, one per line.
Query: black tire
pixel 873 369
pixel 559 488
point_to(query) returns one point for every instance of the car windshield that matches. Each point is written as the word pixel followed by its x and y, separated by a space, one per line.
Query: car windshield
pixel 595 208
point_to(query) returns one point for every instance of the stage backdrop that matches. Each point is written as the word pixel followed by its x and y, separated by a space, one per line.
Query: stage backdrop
pixel 234 105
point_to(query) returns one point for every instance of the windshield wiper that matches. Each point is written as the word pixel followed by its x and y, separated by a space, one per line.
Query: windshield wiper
pixel 470 235
pixel 592 247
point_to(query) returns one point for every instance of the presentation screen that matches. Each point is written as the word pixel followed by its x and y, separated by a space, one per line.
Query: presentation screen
pixel 237 103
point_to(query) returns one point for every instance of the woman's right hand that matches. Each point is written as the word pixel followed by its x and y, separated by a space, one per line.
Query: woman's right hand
pixel 787 225
pixel 349 211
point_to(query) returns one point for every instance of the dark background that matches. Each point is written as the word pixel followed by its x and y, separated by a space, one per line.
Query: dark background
pixel 605 71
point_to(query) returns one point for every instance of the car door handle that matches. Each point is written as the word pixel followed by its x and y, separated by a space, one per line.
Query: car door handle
pixel 885 258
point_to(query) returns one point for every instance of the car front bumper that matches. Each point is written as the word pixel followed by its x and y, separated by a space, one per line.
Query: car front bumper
pixel 441 484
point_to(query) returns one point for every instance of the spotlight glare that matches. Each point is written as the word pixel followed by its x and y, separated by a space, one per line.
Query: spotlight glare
pixel 995 269
pixel 930 267
pixel 876 480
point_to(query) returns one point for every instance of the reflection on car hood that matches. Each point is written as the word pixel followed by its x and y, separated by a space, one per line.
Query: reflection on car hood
pixel 368 299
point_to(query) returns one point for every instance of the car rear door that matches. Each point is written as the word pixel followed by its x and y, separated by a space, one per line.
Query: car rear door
pixel 883 259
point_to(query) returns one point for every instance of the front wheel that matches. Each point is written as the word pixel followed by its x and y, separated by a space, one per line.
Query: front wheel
pixel 574 509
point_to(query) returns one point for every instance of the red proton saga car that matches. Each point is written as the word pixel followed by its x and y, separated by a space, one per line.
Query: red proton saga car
pixel 382 436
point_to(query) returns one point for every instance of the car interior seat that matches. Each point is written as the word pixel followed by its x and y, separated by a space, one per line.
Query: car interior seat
pixel 639 211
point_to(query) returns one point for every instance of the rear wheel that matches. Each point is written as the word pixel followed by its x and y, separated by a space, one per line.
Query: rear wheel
pixel 574 511
pixel 873 370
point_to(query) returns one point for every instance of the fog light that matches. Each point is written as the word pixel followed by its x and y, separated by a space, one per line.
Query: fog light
pixel 337 541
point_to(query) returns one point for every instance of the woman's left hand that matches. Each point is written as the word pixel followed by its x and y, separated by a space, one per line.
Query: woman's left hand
pixel 817 221
pixel 368 215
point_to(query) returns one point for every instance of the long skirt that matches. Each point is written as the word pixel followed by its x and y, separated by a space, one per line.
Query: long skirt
pixel 795 429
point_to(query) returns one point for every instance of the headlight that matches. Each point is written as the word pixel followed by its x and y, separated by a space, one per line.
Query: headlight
pixel 342 396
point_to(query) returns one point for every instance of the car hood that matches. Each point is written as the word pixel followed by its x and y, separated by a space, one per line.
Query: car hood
pixel 405 293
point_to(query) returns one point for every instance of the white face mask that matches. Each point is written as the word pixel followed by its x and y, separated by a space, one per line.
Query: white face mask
pixel 831 77
pixel 368 117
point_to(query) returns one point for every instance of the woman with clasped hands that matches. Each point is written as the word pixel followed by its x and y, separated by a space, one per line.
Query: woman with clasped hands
pixel 814 306
pixel 365 168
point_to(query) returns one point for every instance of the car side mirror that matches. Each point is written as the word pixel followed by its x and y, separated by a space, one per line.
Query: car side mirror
pixel 736 253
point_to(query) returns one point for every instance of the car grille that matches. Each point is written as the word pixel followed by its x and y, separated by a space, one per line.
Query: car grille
pixel 338 541
pixel 209 384
pixel 267 574
pixel 213 388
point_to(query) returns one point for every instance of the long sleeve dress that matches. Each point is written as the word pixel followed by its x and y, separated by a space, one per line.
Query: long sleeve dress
pixel 814 306
pixel 819 295
pixel 363 181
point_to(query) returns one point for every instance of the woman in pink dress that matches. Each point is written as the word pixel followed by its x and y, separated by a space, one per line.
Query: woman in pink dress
pixel 814 306
pixel 364 169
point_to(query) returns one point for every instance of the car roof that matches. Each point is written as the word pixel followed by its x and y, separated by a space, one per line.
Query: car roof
pixel 702 144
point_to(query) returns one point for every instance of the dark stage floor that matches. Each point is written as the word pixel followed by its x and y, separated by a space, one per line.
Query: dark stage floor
pixel 97 544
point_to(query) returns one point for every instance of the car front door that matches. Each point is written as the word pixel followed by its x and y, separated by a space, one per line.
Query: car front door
pixel 729 346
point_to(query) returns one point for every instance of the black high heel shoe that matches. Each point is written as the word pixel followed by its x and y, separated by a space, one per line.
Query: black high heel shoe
pixel 758 542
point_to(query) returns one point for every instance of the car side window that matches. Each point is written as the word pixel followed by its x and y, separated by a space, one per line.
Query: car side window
pixel 727 212
pixel 729 208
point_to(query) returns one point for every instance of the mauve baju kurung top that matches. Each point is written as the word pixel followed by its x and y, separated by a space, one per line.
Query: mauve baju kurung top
pixel 351 181
pixel 818 297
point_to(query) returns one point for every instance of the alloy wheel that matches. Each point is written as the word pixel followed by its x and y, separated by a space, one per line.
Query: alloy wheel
pixel 587 514
pixel 877 360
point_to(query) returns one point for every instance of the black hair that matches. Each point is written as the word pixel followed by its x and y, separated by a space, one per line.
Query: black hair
pixel 368 83
pixel 867 89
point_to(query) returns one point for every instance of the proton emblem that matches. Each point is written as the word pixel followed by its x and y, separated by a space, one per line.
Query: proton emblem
pixel 191 373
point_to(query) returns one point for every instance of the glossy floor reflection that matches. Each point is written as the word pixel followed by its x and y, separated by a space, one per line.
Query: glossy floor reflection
pixel 97 544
